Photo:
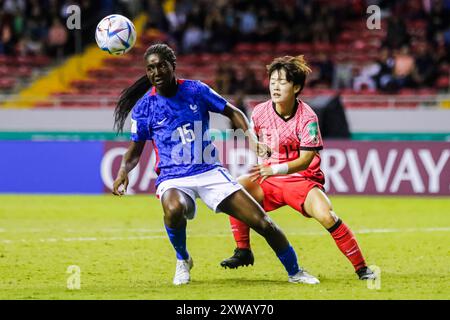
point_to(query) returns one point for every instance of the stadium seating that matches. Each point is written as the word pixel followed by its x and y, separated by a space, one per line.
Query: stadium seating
pixel 355 44
pixel 15 69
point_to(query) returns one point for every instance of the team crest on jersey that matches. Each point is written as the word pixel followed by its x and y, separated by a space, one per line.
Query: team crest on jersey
pixel 193 107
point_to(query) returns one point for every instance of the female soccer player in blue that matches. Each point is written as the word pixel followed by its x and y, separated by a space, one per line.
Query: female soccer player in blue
pixel 171 113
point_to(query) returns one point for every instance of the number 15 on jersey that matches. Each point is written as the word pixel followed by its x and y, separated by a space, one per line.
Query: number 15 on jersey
pixel 186 134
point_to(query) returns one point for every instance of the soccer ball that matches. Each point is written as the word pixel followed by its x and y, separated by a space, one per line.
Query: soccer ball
pixel 115 34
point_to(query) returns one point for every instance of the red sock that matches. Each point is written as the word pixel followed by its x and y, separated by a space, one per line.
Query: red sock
pixel 241 233
pixel 346 242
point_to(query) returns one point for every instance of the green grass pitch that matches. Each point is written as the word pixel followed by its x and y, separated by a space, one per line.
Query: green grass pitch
pixel 123 253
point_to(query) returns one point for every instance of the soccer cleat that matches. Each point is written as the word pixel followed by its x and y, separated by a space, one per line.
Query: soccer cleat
pixel 303 277
pixel 241 257
pixel 182 272
pixel 365 273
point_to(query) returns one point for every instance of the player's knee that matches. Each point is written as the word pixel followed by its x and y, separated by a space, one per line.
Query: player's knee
pixel 327 217
pixel 245 182
pixel 267 226
pixel 175 208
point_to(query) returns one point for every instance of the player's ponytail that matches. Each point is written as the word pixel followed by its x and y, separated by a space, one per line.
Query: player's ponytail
pixel 128 99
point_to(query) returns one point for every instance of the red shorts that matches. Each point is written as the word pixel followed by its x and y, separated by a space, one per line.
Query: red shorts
pixel 278 193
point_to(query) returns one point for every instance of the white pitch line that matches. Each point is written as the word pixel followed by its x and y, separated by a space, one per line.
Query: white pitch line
pixel 305 233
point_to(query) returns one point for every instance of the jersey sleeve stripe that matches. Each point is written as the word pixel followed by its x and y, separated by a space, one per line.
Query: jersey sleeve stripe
pixel 311 148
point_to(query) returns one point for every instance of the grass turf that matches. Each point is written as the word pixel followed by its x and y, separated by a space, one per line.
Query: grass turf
pixel 122 250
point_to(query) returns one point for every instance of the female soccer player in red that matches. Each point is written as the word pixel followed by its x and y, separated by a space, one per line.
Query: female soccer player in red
pixel 292 175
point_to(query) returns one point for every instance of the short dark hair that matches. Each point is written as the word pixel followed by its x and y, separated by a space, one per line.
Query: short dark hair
pixel 296 69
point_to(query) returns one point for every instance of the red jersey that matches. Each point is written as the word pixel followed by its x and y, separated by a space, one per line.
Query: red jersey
pixel 287 137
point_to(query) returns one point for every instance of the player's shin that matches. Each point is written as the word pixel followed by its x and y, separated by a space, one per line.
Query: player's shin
pixel 346 242
pixel 241 233
pixel 178 239
pixel 289 260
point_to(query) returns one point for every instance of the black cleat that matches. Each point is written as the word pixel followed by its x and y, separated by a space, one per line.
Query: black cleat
pixel 241 257
pixel 365 273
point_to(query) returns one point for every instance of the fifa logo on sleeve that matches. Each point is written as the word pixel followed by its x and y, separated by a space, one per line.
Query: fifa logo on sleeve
pixel 313 130
pixel 74 280
pixel 375 284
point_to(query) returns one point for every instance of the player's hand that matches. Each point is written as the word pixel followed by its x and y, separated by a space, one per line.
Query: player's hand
pixel 122 179
pixel 260 171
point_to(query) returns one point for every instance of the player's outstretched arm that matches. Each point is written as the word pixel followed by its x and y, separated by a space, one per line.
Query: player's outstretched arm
pixel 299 164
pixel 240 121
pixel 129 161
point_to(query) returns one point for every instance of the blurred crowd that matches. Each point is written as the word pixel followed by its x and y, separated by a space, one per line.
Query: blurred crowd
pixel 34 27
pixel 217 25
pixel 38 27
pixel 405 60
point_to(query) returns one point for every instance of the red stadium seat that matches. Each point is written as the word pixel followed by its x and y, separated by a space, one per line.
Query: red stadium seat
pixel 245 58
pixel 283 48
pixel 244 48
pixel 24 72
pixel 7 83
pixel 4 71
pixel 302 48
pixel 322 47
pixel 443 82
pixel 225 58
pixel 102 73
pixel 264 47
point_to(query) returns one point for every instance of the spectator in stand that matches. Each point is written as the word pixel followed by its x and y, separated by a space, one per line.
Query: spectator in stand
pixel 343 74
pixel 425 73
pixel 437 19
pixel 248 24
pixel 192 38
pixel 324 69
pixel 248 82
pixel 57 38
pixel 366 78
pixel 441 49
pixel 157 16
pixel 6 34
pixel 384 78
pixel 397 34
pixel 268 25
pixel 217 35
pixel 225 81
pixel 404 66
pixel 239 102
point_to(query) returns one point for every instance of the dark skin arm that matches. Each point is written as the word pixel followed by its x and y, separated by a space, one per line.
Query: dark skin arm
pixel 240 121
pixel 129 161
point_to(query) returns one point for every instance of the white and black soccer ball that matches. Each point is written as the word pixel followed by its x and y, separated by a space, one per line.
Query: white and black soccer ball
pixel 115 34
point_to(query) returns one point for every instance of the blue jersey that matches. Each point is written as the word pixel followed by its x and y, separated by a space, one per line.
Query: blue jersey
pixel 179 129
